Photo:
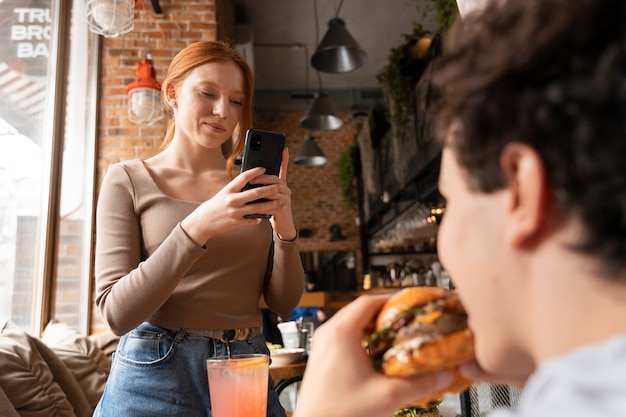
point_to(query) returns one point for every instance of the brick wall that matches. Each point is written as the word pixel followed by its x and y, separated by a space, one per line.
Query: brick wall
pixel 182 23
pixel 317 201
pixel 316 192
pixel 69 273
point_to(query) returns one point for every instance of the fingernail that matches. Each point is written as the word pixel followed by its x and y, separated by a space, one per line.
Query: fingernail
pixel 444 379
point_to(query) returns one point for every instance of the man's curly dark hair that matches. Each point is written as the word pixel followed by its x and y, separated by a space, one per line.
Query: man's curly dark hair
pixel 565 96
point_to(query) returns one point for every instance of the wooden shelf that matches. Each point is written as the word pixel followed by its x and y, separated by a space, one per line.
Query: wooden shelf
pixel 403 253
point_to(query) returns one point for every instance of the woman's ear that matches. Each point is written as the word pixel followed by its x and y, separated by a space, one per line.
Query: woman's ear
pixel 170 93
pixel 529 191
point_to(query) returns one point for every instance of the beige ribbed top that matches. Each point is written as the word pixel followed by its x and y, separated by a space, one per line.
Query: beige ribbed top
pixel 148 269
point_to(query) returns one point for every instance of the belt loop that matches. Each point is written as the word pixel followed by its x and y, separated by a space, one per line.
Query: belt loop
pixel 180 335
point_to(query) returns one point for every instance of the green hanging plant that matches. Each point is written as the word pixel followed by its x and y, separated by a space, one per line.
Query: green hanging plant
pixel 445 13
pixel 398 83
pixel 346 177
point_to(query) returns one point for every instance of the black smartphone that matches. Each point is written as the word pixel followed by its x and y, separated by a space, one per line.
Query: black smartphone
pixel 262 148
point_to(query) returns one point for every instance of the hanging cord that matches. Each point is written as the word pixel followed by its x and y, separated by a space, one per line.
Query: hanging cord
pixel 156 22
pixel 317 41
pixel 148 55
pixel 338 9
pixel 317 24
pixel 319 80
pixel 306 68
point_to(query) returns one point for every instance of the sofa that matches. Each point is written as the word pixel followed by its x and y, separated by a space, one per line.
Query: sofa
pixel 61 374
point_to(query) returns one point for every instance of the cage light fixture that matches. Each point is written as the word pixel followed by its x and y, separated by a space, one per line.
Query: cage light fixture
pixel 144 95
pixel 111 18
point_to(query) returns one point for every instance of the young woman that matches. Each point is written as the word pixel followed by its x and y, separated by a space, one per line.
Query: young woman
pixel 179 269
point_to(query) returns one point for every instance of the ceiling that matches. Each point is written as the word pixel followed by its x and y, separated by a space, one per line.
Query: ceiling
pixel 279 37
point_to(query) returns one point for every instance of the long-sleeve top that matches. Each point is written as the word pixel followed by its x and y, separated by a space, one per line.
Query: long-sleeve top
pixel 148 269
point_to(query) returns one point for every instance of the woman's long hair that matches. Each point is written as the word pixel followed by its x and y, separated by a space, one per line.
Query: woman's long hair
pixel 200 53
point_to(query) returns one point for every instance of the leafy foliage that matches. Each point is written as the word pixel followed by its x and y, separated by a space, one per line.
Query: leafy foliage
pixel 346 177
pixel 397 83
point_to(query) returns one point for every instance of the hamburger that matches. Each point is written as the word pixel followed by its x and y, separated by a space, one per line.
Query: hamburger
pixel 420 330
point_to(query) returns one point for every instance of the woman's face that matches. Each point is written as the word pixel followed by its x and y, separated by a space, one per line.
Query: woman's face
pixel 209 103
pixel 473 249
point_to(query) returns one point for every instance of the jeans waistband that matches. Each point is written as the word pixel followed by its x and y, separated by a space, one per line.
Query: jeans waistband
pixel 229 335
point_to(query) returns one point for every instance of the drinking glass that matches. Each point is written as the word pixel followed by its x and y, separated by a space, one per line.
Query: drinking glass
pixel 238 385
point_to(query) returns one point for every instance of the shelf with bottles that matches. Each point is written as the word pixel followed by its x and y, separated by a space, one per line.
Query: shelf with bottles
pixel 409 273
pixel 413 232
pixel 410 251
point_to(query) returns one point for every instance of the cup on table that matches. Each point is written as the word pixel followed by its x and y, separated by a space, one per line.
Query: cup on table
pixel 291 339
pixel 306 329
pixel 238 385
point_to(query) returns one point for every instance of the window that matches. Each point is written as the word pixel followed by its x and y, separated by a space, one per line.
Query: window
pixel 48 78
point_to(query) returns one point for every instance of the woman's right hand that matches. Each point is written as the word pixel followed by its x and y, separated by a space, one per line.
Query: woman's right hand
pixel 225 211
pixel 340 379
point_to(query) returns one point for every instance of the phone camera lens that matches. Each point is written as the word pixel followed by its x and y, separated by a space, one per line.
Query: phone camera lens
pixel 256 142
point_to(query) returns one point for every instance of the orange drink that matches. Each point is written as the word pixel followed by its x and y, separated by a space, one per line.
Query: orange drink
pixel 238 385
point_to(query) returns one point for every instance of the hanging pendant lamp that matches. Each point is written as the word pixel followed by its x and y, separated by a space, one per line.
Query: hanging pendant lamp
pixel 338 52
pixel 144 96
pixel 321 115
pixel 310 154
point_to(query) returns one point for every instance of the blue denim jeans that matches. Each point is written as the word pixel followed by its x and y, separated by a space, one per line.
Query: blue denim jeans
pixel 159 372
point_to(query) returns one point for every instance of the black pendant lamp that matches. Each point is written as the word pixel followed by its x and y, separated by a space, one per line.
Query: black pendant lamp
pixel 310 154
pixel 338 52
pixel 321 114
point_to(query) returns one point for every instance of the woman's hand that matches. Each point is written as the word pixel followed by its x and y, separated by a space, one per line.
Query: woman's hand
pixel 340 379
pixel 282 217
pixel 279 207
pixel 227 209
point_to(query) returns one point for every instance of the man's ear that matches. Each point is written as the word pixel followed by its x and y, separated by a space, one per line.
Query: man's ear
pixel 529 191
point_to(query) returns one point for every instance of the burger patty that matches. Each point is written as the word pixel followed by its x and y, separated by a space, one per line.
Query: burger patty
pixel 448 322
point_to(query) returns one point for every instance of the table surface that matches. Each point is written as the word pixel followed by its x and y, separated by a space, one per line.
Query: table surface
pixel 280 372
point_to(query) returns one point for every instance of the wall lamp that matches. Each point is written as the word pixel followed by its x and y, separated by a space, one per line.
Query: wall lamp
pixel 144 96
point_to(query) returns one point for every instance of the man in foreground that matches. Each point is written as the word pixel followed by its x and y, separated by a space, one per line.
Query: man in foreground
pixel 533 127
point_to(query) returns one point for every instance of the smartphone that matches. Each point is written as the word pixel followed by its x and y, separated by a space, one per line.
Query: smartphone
pixel 262 148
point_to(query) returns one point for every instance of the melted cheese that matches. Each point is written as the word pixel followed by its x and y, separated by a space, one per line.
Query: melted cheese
pixel 430 317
